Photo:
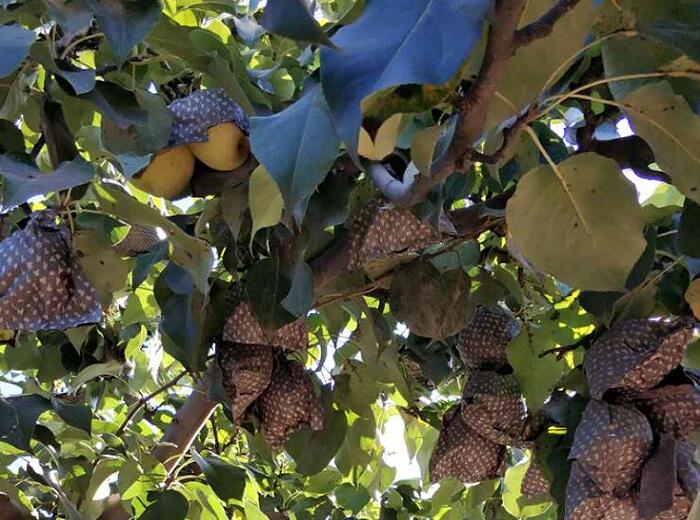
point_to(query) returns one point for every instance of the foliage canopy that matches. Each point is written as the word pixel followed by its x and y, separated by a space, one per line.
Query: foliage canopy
pixel 411 164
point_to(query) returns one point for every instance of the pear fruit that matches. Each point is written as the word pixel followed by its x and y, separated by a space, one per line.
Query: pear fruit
pixel 226 148
pixel 168 174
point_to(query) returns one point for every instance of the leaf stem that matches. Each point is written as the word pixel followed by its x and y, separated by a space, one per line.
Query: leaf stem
pixel 559 99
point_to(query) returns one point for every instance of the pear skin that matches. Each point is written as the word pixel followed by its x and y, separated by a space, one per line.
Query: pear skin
pixel 227 147
pixel 168 174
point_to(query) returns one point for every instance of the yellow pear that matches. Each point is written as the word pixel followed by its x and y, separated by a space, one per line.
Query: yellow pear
pixel 227 147
pixel 168 174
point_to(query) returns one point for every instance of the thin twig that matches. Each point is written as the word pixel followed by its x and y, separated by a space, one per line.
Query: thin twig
pixel 142 402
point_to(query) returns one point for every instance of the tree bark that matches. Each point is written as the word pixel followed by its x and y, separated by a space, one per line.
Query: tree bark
pixel 11 510
pixel 176 441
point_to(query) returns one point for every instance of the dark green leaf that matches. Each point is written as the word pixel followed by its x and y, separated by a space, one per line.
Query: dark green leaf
pixel 117 103
pixel 183 316
pixel 352 497
pixel 170 505
pixel 81 81
pixel 18 418
pixel 291 19
pixel 689 230
pixel 11 138
pixel 297 147
pixel 301 295
pixel 125 22
pixel 15 41
pixel 684 37
pixel 60 143
pixel 267 285
pixel 382 50
pixel 140 140
pixel 73 17
pixel 326 442
pixel 77 415
pixel 672 129
pixel 23 180
pixel 227 480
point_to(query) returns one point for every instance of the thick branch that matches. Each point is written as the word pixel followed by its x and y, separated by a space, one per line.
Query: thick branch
pixel 178 438
pixel 186 424
pixel 542 27
pixel 11 510
pixel 509 140
pixel 474 105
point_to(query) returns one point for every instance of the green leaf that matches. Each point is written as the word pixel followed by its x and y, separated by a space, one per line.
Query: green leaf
pixel 208 55
pixel 11 138
pixel 117 104
pixel 73 17
pixel 144 139
pixel 18 417
pixel 684 37
pixel 513 501
pixel 170 505
pixel 227 481
pixel 536 376
pixel 81 81
pixel 326 442
pixel 665 121
pixel 93 505
pixel 22 180
pixel 597 235
pixel 184 313
pixel 234 204
pixel 97 257
pixel 111 368
pixel 423 147
pixel 384 141
pixel 77 415
pixel 291 19
pixel 297 147
pixel 357 389
pixel 190 253
pixel 265 201
pixel 266 286
pixel 352 497
pixel 24 355
pixel 444 307
pixel 125 22
pixel 405 53
pixel 15 42
pixel 537 369
pixel 300 297
pixel 689 230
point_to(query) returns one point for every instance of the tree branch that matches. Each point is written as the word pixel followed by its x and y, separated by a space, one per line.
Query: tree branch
pixel 542 27
pixel 11 510
pixel 630 152
pixel 473 105
pixel 177 439
pixel 509 139
pixel 144 400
